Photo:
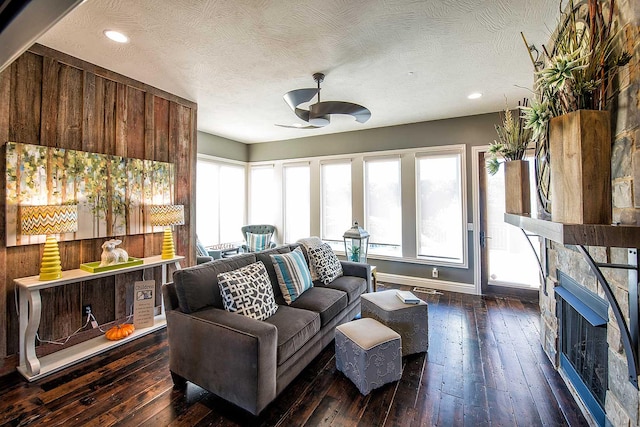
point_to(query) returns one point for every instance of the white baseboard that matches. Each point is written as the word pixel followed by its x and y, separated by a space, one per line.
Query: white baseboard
pixel 443 285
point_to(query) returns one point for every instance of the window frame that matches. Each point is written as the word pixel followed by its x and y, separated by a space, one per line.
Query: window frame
pixel 448 150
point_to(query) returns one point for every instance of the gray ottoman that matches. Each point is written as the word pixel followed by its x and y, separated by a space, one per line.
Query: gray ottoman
pixel 368 353
pixel 411 321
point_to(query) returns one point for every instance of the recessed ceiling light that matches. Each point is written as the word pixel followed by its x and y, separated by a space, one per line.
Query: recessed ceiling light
pixel 116 36
pixel 474 95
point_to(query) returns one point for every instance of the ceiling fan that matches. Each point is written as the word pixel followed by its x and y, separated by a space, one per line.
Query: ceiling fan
pixel 318 114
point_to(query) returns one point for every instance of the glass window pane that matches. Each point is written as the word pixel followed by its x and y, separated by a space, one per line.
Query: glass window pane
pixel 440 227
pixel 220 201
pixel 296 203
pixel 383 206
pixel 336 202
pixel 231 203
pixel 263 208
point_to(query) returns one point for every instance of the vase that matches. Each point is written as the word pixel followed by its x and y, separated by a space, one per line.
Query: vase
pixel 580 159
pixel 517 194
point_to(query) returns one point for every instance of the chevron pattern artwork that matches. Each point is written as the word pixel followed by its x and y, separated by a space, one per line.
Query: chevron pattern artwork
pixel 248 291
pixel 48 219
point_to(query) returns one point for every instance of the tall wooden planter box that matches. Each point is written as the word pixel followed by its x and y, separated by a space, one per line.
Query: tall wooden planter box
pixel 517 196
pixel 580 152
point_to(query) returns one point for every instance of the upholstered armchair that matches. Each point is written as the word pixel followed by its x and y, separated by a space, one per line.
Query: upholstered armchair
pixel 257 230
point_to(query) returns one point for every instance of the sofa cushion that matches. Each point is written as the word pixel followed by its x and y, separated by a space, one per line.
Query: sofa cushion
pixel 325 301
pixel 265 257
pixel 353 286
pixel 325 262
pixel 295 327
pixel 258 242
pixel 197 286
pixel 293 274
pixel 247 291
pixel 307 243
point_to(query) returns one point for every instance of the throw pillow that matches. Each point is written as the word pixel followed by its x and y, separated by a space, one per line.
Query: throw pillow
pixel 308 243
pixel 326 263
pixel 293 274
pixel 248 291
pixel 200 249
pixel 258 242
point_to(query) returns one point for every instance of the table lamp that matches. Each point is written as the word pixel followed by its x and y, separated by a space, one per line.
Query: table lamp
pixel 49 220
pixel 166 216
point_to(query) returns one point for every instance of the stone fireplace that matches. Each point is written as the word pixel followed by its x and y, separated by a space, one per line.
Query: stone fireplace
pixel 620 399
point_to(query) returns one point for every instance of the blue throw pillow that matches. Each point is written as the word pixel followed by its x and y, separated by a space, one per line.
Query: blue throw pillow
pixel 293 274
pixel 258 242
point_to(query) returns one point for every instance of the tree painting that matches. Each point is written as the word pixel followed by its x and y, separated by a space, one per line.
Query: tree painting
pixel 110 191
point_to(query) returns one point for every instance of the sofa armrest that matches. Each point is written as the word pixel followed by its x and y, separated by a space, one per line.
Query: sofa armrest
pixel 357 269
pixel 228 354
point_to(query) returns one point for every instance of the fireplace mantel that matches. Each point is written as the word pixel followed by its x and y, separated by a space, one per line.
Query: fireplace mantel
pixel 617 236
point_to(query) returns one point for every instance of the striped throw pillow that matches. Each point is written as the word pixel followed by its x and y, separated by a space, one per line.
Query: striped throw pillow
pixel 293 274
pixel 258 242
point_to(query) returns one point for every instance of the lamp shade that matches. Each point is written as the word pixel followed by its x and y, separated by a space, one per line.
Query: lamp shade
pixel 48 219
pixel 166 215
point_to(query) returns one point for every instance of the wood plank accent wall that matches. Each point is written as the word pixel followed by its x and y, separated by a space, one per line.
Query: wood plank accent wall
pixel 53 99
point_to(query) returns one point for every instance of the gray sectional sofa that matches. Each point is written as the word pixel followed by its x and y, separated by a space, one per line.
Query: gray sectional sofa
pixel 245 361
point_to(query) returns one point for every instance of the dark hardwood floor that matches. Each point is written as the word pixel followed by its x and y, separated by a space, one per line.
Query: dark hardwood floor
pixel 485 366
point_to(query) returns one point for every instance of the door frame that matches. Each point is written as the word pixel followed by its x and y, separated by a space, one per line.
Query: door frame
pixel 477 225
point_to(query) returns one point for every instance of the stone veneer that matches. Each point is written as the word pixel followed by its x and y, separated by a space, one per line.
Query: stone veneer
pixel 622 399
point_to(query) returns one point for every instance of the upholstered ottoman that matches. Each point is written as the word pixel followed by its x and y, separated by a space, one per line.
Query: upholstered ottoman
pixel 411 321
pixel 368 353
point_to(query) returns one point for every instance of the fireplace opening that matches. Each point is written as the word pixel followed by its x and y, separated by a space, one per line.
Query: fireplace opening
pixel 583 343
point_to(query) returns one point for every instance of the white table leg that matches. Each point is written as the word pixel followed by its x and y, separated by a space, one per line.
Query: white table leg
pixel 29 324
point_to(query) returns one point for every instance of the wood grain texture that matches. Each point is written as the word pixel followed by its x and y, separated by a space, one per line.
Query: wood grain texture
pixel 517 193
pixel 50 98
pixel 131 384
pixel 580 151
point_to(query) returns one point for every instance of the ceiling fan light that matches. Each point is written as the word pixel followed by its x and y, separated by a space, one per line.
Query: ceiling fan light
pixel 319 120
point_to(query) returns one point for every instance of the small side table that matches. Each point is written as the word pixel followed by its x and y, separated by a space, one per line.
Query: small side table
pixel 374 278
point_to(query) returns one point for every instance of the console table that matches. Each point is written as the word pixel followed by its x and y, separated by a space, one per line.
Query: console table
pixel 32 367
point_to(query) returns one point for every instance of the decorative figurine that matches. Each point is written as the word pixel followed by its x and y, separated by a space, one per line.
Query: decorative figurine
pixel 112 255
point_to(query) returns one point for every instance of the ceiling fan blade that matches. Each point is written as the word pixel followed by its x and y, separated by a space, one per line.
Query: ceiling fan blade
pixel 360 113
pixel 296 97
pixel 297 127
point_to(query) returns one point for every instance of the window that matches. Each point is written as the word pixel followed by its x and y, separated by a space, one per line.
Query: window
pixel 383 205
pixel 263 208
pixel 220 196
pixel 297 210
pixel 440 222
pixel 335 187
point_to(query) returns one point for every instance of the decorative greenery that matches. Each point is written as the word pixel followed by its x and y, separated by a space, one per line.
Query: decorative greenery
pixel 579 71
pixel 513 139
pixel 355 253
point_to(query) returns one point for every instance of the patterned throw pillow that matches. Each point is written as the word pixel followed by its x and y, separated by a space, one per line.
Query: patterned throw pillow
pixel 258 242
pixel 326 263
pixel 308 243
pixel 248 291
pixel 293 274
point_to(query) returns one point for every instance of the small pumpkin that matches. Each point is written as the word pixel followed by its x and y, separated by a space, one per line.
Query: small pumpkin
pixel 119 332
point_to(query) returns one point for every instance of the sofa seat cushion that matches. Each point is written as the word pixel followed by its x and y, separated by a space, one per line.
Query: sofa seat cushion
pixel 325 301
pixel 353 286
pixel 295 327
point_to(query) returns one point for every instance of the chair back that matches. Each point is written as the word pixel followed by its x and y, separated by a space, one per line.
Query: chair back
pixel 258 229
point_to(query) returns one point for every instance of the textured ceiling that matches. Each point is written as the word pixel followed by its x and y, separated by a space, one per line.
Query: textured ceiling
pixel 407 61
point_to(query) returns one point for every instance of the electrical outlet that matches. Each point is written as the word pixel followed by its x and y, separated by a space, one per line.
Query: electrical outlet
pixel 86 310
pixel 434 272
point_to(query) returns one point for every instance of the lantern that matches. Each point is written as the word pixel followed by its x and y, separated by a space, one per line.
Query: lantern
pixel 356 243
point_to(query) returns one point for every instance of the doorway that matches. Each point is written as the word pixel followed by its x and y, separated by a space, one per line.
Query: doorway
pixel 503 253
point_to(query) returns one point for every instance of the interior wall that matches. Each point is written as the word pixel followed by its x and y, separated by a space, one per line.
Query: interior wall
pixel 49 98
pixel 217 146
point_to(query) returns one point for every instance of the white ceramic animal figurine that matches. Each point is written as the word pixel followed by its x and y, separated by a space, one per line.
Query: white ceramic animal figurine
pixel 112 255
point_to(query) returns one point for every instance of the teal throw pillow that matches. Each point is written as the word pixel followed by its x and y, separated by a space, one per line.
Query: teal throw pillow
pixel 258 242
pixel 293 274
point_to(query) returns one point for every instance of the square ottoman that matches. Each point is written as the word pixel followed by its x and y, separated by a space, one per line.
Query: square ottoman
pixel 411 321
pixel 368 353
